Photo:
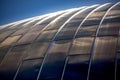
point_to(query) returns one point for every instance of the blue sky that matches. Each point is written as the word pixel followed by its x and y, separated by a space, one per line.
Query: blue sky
pixel 14 10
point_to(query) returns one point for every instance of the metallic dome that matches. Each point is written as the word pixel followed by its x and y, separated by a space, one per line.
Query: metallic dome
pixel 76 44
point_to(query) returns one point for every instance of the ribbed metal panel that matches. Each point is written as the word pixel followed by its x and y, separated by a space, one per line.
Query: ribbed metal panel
pixel 75 44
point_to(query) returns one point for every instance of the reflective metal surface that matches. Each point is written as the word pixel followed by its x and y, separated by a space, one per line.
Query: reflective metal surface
pixel 75 44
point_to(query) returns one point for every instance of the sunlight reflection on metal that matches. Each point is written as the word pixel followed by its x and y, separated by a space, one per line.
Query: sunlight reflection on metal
pixel 60 45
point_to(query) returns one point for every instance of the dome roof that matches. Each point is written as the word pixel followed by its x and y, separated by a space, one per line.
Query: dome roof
pixel 76 44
